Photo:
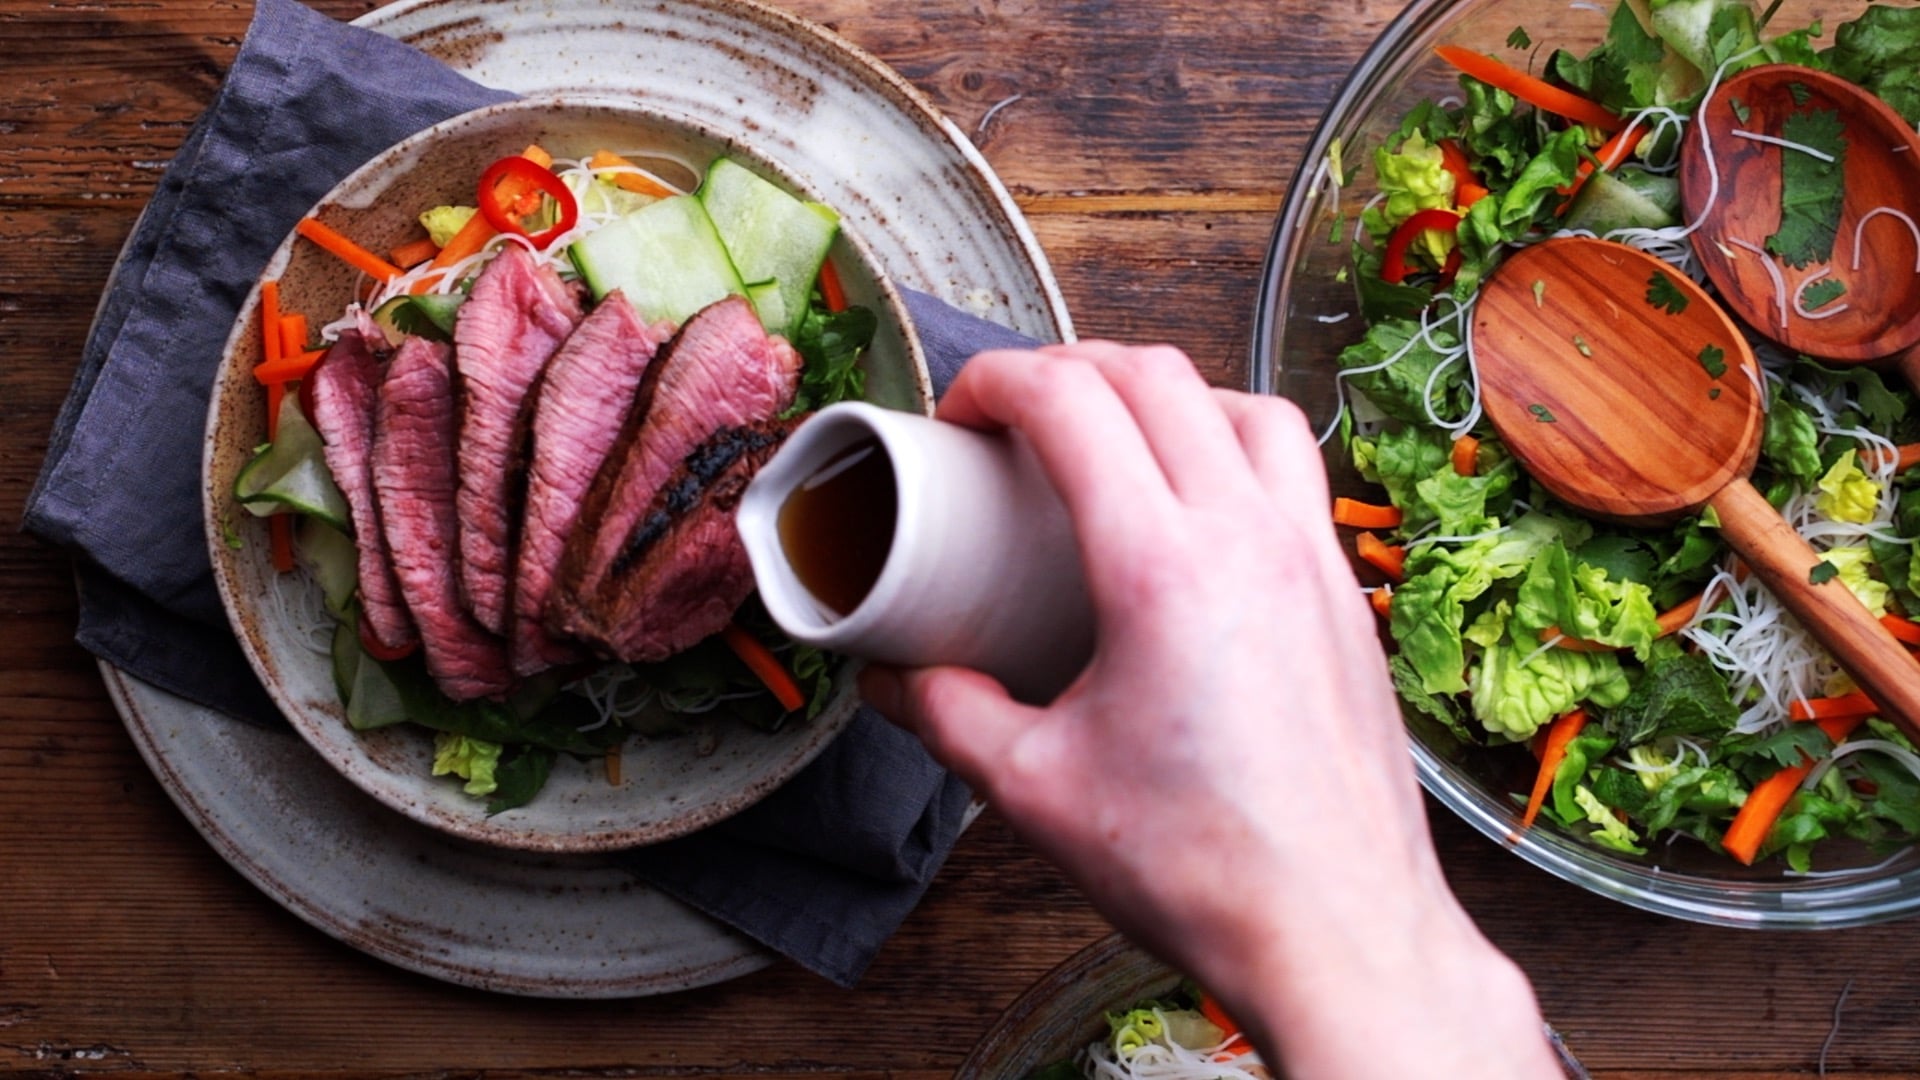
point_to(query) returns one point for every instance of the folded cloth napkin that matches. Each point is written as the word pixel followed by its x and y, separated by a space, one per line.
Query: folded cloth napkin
pixel 823 871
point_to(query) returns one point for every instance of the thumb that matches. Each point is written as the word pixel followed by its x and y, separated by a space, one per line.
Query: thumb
pixel 965 718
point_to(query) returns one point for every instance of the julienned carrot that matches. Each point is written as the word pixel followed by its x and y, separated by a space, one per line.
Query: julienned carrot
pixel 1466 455
pixel 1856 703
pixel 1389 559
pixel 627 176
pixel 1680 614
pixel 765 666
pixel 1527 88
pixel 831 292
pixel 1763 806
pixel 613 765
pixel 1611 153
pixel 1211 1009
pixel 293 335
pixel 1902 628
pixel 346 250
pixel 477 231
pixel 1467 188
pixel 291 368
pixel 270 320
pixel 413 253
pixel 1382 601
pixel 1572 644
pixel 1839 727
pixel 1552 752
pixel 1365 515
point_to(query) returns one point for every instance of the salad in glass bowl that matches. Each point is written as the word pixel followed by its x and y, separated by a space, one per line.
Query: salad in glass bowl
pixel 1624 704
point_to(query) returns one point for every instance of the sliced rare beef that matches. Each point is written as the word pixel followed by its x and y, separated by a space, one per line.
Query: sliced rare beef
pixel 516 316
pixel 582 405
pixel 720 373
pixel 345 386
pixel 414 481
pixel 683 570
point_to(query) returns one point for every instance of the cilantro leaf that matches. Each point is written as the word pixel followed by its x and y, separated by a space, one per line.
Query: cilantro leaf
pixel 1542 413
pixel 1663 293
pixel 1811 190
pixel 1714 359
pixel 1822 572
pixel 1821 293
pixel 831 344
pixel 1519 39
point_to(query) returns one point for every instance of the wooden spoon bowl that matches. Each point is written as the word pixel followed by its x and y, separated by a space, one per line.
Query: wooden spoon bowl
pixel 1638 399
pixel 1730 184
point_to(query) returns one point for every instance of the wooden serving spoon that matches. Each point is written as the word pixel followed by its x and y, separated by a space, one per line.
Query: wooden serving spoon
pixel 1881 168
pixel 1642 403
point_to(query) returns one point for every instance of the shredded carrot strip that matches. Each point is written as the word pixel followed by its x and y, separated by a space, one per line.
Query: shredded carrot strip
pixel 346 250
pixel 1901 628
pixel 638 183
pixel 1382 601
pixel 1573 644
pixel 613 765
pixel 477 231
pixel 1529 89
pixel 1825 708
pixel 1611 154
pixel 1365 515
pixel 765 666
pixel 280 537
pixel 831 291
pixel 293 335
pixel 270 320
pixel 1562 731
pixel 1680 614
pixel 1389 559
pixel 1757 815
pixel 290 368
pixel 1466 455
pixel 1211 1009
pixel 413 253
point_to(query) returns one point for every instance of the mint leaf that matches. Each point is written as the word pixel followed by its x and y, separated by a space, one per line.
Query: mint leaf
pixel 1881 51
pixel 1663 293
pixel 1811 190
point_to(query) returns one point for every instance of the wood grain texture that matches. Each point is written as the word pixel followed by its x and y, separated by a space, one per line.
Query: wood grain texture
pixel 1149 144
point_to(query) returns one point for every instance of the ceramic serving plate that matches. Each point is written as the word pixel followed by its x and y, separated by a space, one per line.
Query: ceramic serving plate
pixel 937 220
pixel 669 786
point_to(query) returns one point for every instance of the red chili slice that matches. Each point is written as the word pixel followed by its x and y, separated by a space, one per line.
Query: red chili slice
pixel 371 645
pixel 1393 261
pixel 504 184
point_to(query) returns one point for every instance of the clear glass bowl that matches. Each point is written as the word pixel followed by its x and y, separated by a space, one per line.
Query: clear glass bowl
pixel 1300 329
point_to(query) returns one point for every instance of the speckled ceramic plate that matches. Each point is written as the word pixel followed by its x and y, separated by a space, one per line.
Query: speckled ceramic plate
pixel 937 220
pixel 671 786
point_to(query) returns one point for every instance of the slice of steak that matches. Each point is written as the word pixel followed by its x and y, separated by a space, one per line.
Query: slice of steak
pixel 345 385
pixel 583 402
pixel 517 315
pixel 721 370
pixel 682 570
pixel 414 424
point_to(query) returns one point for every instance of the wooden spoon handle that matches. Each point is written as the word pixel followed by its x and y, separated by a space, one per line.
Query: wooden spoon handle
pixel 1879 664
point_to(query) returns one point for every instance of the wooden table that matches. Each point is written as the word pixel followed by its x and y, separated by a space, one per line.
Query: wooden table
pixel 1149 145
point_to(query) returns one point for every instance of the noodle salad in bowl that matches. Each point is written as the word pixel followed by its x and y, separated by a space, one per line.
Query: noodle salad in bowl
pixel 1624 704
pixel 512 376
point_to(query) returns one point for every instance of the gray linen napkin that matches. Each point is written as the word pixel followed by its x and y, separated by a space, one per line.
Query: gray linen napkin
pixel 823 872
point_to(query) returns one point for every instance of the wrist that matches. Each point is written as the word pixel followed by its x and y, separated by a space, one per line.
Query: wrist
pixel 1391 990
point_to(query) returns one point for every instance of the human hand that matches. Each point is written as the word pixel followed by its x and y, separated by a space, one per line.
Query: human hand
pixel 1229 779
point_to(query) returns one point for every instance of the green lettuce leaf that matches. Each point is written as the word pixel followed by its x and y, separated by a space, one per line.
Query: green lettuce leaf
pixel 1517 689
pixel 1880 50
pixel 472 760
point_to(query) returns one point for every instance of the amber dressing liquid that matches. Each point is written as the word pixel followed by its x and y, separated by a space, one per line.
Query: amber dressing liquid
pixel 837 526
